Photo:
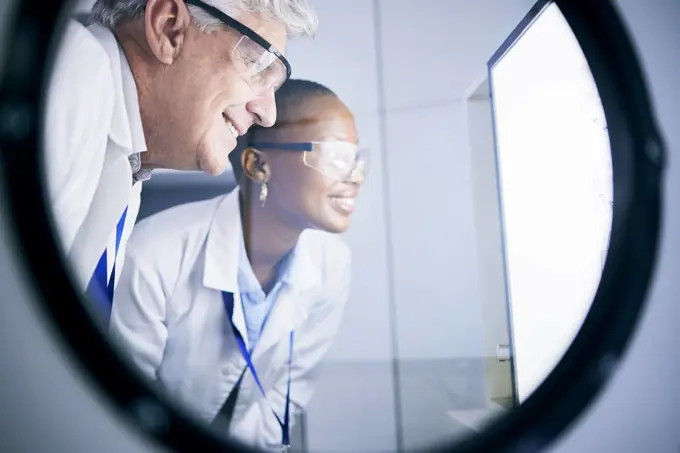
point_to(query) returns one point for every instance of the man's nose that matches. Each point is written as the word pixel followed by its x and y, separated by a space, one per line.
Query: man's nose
pixel 263 109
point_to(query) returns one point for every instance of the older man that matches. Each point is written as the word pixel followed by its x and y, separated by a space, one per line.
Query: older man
pixel 153 84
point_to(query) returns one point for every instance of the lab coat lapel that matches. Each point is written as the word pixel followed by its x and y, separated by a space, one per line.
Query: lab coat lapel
pixel 120 130
pixel 108 204
pixel 220 269
pixel 238 319
pixel 237 316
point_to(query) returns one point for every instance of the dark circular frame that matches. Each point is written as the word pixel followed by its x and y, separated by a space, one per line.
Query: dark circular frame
pixel 638 155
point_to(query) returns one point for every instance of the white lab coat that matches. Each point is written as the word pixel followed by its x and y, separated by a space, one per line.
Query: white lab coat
pixel 168 314
pixel 92 124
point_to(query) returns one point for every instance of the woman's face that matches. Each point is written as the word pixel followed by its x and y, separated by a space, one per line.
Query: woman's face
pixel 301 195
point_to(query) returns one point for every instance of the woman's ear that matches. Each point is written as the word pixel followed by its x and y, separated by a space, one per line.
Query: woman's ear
pixel 255 166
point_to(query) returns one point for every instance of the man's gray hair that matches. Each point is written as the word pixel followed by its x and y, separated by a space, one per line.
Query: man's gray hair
pixel 296 15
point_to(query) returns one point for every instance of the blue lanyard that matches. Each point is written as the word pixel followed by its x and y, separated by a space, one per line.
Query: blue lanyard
pixel 101 286
pixel 228 299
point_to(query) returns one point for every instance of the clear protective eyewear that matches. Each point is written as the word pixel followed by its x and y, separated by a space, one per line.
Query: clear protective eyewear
pixel 257 61
pixel 338 160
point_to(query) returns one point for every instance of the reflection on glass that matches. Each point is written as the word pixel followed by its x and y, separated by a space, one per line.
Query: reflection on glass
pixel 428 341
pixel 556 185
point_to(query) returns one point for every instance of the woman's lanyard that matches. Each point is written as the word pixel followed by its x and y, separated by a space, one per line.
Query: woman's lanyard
pixel 228 299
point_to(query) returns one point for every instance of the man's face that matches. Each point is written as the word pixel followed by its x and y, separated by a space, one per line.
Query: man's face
pixel 206 100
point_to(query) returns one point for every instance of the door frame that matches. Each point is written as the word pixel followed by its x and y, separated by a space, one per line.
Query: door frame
pixel 480 92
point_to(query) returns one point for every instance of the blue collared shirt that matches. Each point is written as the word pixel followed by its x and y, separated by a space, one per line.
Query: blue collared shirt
pixel 256 304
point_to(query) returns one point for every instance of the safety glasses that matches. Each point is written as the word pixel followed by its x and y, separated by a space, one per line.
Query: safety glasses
pixel 258 62
pixel 337 160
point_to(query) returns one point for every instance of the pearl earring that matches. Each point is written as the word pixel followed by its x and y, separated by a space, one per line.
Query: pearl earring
pixel 263 194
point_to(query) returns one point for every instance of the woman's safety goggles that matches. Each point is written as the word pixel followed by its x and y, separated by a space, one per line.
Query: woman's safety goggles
pixel 339 161
pixel 258 62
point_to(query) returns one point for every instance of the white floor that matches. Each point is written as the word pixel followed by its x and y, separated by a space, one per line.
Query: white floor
pixel 476 419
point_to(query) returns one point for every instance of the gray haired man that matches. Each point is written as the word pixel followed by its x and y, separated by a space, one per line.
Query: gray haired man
pixel 148 84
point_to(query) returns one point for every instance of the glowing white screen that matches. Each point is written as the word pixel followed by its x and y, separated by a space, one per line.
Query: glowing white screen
pixel 556 188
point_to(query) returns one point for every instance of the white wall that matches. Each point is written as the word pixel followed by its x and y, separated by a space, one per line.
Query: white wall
pixel 432 51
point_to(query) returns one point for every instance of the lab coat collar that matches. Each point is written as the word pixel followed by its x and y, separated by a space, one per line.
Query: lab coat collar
pixel 221 268
pixel 225 248
pixel 131 98
pixel 126 123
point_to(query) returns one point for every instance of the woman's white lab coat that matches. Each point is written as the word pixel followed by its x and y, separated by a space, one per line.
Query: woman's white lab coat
pixel 92 125
pixel 168 313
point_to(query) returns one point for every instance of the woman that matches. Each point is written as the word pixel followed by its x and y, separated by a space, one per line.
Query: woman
pixel 232 303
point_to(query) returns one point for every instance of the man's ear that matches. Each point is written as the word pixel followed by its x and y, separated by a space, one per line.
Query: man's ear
pixel 255 166
pixel 166 23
